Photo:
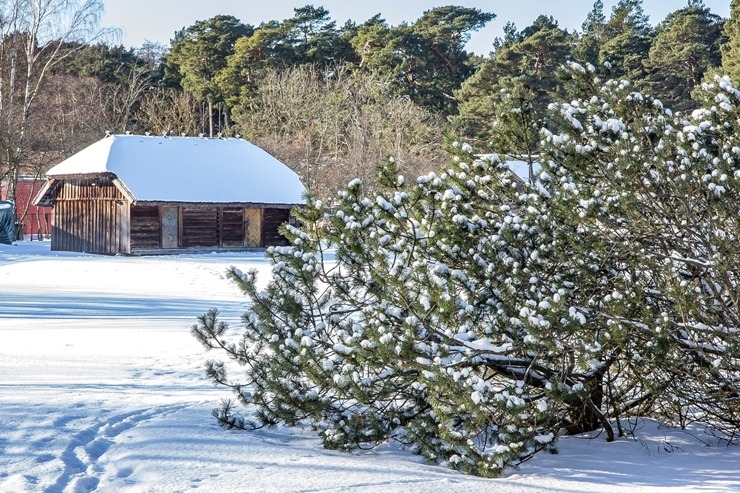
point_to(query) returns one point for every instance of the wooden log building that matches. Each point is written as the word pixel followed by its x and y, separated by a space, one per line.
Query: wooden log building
pixel 131 194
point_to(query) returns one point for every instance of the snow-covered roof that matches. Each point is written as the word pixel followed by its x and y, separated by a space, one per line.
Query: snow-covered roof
pixel 188 169
pixel 518 167
pixel 521 169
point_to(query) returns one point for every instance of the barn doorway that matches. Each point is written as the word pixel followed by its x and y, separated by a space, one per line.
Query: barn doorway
pixel 253 228
pixel 170 227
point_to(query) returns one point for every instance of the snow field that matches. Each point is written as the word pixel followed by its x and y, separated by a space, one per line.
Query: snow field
pixel 102 389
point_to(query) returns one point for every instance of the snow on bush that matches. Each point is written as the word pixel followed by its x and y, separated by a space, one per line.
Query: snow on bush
pixel 474 321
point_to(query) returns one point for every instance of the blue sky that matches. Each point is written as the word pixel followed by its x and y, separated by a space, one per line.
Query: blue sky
pixel 157 20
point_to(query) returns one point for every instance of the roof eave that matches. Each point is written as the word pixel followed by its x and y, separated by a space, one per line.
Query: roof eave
pixel 124 190
pixel 44 197
pixel 184 203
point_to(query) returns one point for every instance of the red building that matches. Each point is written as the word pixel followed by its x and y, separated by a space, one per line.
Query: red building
pixel 36 220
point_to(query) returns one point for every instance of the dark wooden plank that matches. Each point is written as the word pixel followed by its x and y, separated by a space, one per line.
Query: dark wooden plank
pixel 232 226
pixel 200 227
pixel 146 228
pixel 86 214
pixel 272 220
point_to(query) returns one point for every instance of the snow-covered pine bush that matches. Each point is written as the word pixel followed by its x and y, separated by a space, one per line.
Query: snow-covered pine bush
pixel 436 318
pixel 474 318
pixel 651 201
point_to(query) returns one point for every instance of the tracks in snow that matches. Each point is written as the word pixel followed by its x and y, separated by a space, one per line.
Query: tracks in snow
pixel 80 458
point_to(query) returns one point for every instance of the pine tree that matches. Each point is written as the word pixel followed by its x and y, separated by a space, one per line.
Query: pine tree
pixel 592 35
pixel 522 72
pixel 474 318
pixel 731 46
pixel 515 126
pixel 426 60
pixel 407 334
pixel 199 54
pixel 627 36
pixel 685 47
pixel 654 199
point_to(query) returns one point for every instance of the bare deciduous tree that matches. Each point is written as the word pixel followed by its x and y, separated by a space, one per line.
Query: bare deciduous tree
pixel 165 110
pixel 125 96
pixel 334 127
pixel 35 35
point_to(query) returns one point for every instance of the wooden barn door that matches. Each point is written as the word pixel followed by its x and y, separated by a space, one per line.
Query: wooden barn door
pixel 253 228
pixel 170 227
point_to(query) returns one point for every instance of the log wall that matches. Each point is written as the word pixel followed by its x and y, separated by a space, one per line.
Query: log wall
pixel 225 227
pixel 232 227
pixel 271 221
pixel 200 226
pixel 90 215
pixel 146 230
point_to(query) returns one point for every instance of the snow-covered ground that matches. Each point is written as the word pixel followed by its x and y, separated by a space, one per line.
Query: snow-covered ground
pixel 102 389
